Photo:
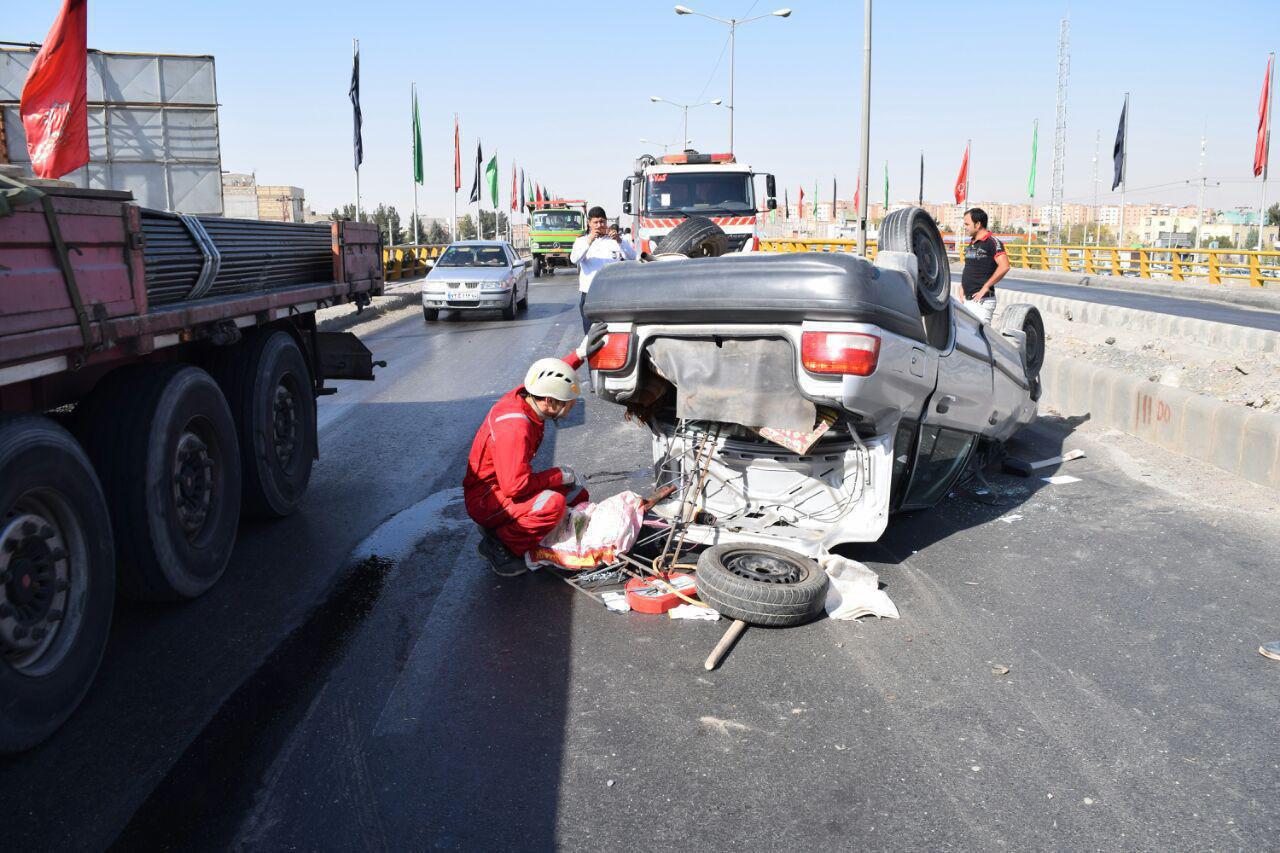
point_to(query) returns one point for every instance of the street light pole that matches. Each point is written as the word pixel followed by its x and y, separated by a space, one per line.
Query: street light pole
pixel 732 24
pixel 685 109
pixel 865 175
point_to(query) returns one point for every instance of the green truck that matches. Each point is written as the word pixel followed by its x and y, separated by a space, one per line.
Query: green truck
pixel 553 226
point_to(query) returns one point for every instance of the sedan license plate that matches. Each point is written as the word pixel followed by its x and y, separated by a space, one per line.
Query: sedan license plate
pixel 462 295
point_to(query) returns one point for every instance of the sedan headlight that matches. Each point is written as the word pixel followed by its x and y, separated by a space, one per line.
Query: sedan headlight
pixel 495 285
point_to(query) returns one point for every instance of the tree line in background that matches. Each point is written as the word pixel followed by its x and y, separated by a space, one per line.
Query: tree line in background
pixel 396 232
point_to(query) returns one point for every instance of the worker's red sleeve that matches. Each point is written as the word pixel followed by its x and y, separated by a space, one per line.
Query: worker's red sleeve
pixel 572 360
pixel 513 450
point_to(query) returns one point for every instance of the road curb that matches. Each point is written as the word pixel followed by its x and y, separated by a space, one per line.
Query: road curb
pixel 1241 339
pixel 1252 297
pixel 1234 438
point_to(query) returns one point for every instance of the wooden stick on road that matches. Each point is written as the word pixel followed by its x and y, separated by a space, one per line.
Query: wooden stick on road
pixel 726 642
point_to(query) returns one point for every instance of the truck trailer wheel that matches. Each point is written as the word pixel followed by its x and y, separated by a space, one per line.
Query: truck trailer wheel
pixel 169 462
pixel 761 584
pixel 57 578
pixel 268 387
pixel 696 237
pixel 537 266
pixel 913 230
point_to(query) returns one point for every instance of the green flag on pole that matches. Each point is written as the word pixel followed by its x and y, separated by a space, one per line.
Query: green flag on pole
pixel 491 176
pixel 417 142
pixel 1035 141
pixel 886 186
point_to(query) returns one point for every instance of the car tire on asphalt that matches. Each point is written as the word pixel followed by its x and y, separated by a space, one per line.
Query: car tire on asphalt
pixel 913 230
pixel 1026 318
pixel 268 386
pixel 761 584
pixel 509 311
pixel 430 315
pixel 57 565
pixel 523 304
pixel 696 237
pixel 164 445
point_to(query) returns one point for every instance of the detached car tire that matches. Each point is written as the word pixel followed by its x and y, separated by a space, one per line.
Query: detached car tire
pixel 696 237
pixel 913 230
pixel 761 584
pixel 1026 319
pixel 57 578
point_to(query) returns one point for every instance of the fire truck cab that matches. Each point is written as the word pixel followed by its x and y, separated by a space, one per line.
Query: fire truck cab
pixel 663 192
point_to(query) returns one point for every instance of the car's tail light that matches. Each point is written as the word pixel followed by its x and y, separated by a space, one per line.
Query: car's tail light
pixel 848 353
pixel 613 355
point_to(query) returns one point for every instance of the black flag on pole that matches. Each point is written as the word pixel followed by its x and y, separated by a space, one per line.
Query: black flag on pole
pixel 1118 153
pixel 354 93
pixel 475 184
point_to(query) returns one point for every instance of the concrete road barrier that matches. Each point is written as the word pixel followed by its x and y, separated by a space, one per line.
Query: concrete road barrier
pixel 1242 339
pixel 1232 437
pixel 1252 297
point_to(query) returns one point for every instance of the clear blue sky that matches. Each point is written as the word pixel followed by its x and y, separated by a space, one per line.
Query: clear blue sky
pixel 564 88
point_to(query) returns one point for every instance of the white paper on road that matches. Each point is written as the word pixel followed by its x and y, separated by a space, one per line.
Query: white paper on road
pixel 855 591
pixel 693 611
pixel 616 601
pixel 1060 479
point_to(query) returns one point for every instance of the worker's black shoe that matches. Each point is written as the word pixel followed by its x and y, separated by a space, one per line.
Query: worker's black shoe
pixel 501 560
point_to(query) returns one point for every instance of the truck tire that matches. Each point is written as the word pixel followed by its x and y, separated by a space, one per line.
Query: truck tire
pixel 913 230
pixel 169 462
pixel 696 237
pixel 268 386
pixel 761 584
pixel 57 578
pixel 537 267
pixel 1026 318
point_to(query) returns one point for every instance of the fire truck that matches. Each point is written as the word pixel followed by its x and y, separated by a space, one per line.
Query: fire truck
pixel 664 192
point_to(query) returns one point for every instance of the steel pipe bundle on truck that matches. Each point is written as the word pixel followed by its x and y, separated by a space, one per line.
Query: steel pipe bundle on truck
pixel 158 378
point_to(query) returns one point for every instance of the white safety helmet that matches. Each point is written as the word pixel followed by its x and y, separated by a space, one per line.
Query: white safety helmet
pixel 551 377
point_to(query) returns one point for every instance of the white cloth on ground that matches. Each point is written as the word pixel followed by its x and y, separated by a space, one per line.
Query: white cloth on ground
pixel 854 590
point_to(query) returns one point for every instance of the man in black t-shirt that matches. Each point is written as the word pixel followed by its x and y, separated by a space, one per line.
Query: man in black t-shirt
pixel 985 263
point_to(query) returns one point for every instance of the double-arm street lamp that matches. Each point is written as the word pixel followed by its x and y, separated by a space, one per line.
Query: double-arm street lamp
pixel 665 145
pixel 732 24
pixel 685 108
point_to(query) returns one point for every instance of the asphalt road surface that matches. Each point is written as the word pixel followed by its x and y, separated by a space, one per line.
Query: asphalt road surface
pixel 318 699
pixel 1200 309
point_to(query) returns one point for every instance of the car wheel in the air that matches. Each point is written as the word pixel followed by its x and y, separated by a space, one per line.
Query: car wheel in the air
pixel 913 230
pixel 696 237
pixel 1026 318
pixel 761 584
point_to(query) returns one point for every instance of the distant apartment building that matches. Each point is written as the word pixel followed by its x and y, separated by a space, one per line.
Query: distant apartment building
pixel 244 198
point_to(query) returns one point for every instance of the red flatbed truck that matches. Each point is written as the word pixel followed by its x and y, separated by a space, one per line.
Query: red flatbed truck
pixel 158 376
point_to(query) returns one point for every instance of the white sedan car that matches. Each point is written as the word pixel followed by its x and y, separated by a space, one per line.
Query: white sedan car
pixel 477 275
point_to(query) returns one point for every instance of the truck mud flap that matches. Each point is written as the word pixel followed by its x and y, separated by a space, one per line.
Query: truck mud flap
pixel 343 356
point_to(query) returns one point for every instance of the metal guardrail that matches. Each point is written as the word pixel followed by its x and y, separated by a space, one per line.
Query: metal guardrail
pixel 1216 266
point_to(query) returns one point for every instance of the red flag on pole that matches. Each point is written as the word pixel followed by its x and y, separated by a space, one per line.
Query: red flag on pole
pixel 457 157
pixel 857 196
pixel 538 194
pixel 515 191
pixel 1260 147
pixel 962 180
pixel 54 112
pixel 801 202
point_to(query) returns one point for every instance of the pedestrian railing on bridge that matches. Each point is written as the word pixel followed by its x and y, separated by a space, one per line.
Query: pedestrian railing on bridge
pixel 400 263
pixel 1215 266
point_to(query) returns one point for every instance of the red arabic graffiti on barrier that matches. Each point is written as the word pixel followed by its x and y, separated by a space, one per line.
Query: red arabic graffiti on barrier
pixel 1150 409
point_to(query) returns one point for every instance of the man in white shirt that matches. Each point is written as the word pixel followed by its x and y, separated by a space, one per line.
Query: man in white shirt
pixel 596 249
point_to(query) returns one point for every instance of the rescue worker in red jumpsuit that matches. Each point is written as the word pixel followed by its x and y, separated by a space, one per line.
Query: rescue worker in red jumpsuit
pixel 514 505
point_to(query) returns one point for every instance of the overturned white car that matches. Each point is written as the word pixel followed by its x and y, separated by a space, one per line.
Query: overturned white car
pixel 806 397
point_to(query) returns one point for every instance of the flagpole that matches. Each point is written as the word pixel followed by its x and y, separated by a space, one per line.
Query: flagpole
pixel 413 108
pixel 1266 148
pixel 457 167
pixel 864 175
pixel 1031 186
pixel 355 53
pixel 1097 220
pixel 1124 167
